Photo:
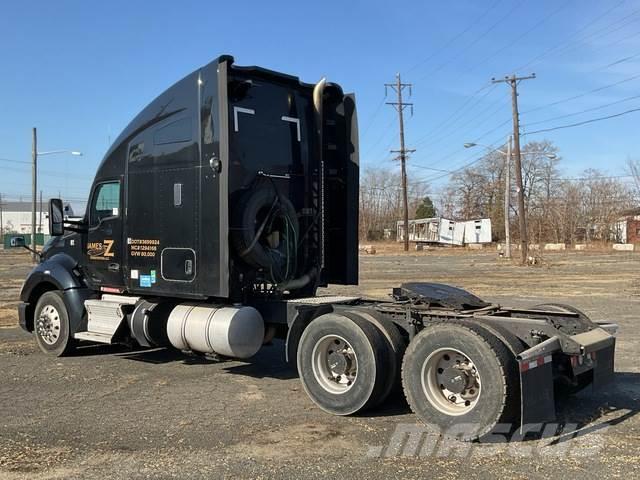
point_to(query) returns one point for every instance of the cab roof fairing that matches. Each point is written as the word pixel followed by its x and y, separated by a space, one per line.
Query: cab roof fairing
pixel 159 108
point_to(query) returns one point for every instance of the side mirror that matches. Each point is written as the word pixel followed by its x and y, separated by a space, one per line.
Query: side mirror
pixel 56 217
pixel 17 242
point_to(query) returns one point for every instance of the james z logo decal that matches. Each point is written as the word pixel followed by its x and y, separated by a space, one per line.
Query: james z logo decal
pixel 101 250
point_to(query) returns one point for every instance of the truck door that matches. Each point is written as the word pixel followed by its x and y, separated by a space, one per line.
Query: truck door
pixel 104 237
pixel 163 209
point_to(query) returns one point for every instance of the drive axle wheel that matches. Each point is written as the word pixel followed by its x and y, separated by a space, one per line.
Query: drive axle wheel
pixel 450 381
pixel 461 380
pixel 343 363
pixel 51 324
pixel 394 342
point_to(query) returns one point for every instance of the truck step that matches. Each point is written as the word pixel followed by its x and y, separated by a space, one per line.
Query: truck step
pixel 104 316
pixel 321 300
pixel 93 337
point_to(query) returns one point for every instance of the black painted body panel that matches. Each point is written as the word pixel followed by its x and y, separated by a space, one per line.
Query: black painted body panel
pixel 57 270
pixel 56 273
pixel 185 160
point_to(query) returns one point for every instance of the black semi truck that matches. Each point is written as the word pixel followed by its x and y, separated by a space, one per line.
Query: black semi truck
pixel 217 214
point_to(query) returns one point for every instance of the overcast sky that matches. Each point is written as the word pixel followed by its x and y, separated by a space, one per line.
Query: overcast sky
pixel 79 72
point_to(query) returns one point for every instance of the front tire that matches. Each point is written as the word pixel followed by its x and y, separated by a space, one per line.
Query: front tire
pixel 461 380
pixel 342 362
pixel 51 325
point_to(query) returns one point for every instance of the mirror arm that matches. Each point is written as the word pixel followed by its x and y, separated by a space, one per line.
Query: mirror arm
pixel 75 229
pixel 27 247
pixel 75 226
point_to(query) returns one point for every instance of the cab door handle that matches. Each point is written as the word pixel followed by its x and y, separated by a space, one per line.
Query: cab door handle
pixel 114 267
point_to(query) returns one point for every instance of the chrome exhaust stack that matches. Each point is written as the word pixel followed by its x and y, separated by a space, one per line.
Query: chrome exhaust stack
pixel 318 94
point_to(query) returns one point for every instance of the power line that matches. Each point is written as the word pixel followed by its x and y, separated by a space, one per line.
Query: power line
pixel 461 109
pixel 468 164
pixel 560 46
pixel 606 31
pixel 585 122
pixel 563 179
pixel 397 189
pixel 478 120
pixel 457 150
pixel 618 62
pixel 443 127
pixel 448 122
pixel 600 107
pixel 431 168
pixel 456 36
pixel 380 138
pixel 574 97
pixel 14 161
pixel 49 173
pixel 512 42
pixel 373 116
pixel 595 177
pixel 474 42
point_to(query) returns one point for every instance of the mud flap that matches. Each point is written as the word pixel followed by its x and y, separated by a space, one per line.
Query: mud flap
pixel 603 370
pixel 536 390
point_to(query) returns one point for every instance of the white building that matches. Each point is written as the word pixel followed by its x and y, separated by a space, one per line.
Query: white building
pixel 446 232
pixel 16 217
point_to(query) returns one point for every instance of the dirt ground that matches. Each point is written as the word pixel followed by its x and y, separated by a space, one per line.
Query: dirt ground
pixel 108 412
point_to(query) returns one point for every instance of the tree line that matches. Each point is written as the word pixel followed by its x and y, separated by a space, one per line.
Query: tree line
pixel 559 209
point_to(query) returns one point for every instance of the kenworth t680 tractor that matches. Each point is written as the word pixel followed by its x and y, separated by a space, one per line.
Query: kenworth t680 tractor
pixel 214 218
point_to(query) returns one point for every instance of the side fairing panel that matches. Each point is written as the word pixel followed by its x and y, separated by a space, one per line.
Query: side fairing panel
pixel 341 196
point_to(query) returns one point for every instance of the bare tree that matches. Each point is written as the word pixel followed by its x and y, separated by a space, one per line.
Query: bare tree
pixel 633 167
pixel 381 201
pixel 478 191
pixel 558 210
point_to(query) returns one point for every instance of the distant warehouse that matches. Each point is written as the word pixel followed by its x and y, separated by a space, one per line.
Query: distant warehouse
pixel 443 231
pixel 15 217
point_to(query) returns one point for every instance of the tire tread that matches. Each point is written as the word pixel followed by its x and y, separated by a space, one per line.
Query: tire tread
pixel 509 409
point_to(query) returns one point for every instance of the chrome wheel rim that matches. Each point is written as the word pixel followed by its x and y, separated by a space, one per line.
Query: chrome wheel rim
pixel 334 364
pixel 451 381
pixel 48 324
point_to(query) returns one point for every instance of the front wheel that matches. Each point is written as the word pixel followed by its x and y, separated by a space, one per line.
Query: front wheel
pixel 461 380
pixel 51 325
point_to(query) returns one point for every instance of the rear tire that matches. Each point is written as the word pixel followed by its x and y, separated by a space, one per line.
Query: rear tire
pixel 461 380
pixel 343 363
pixel 51 325
pixel 396 344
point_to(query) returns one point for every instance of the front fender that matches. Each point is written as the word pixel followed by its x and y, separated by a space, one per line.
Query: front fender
pixel 57 270
pixel 55 273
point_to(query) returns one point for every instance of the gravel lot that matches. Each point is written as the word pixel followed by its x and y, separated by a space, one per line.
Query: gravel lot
pixel 112 413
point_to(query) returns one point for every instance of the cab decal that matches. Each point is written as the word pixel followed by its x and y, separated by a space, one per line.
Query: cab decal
pixel 101 250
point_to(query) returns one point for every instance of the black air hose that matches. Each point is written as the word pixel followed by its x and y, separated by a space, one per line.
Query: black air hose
pixel 300 282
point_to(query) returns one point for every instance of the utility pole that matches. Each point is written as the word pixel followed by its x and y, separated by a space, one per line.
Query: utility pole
pixel 507 198
pixel 398 87
pixel 34 191
pixel 513 82
pixel 40 214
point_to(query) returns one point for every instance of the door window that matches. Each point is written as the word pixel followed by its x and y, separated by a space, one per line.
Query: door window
pixel 106 202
